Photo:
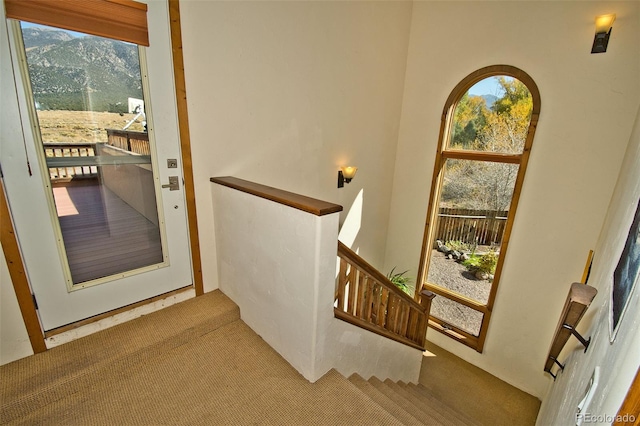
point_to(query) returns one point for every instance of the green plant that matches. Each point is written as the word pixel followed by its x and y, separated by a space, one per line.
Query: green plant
pixel 472 263
pixel 488 262
pixel 399 279
pixel 461 246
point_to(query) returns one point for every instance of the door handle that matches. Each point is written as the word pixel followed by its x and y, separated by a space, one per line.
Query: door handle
pixel 173 184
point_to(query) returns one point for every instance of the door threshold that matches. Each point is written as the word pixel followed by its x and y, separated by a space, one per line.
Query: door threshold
pixel 76 330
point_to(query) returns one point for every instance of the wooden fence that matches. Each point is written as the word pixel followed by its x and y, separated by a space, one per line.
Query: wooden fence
pixel 484 227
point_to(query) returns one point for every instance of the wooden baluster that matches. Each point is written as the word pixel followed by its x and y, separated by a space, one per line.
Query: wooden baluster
pixel 353 283
pixel 362 296
pixel 399 313
pixel 375 301
pixel 404 320
pixel 368 291
pixel 413 324
pixel 384 310
pixel 392 314
pixel 353 286
pixel 342 282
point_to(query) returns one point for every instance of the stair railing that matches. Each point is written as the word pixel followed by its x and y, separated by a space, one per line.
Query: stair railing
pixel 368 299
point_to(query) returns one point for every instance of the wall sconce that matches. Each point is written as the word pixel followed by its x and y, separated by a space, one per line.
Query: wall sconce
pixel 603 32
pixel 345 174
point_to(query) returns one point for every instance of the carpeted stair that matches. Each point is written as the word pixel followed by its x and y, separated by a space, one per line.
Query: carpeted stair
pixel 197 363
pixel 410 404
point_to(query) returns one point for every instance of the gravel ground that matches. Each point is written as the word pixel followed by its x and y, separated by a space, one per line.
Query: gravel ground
pixel 452 275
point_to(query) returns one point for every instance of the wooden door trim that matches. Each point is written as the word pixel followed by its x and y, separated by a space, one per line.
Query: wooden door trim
pixel 185 143
pixel 629 413
pixel 18 275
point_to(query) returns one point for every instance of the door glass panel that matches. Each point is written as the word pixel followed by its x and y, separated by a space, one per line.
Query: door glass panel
pixel 472 214
pixel 492 122
pixel 89 101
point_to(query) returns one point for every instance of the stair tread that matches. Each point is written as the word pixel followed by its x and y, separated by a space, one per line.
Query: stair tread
pixel 381 399
pixel 406 405
pixel 209 312
pixel 426 405
pixel 442 407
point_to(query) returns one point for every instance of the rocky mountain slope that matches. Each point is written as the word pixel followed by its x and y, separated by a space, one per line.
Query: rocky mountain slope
pixel 69 71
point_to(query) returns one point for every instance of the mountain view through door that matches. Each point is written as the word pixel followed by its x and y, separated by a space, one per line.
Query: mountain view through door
pixel 88 95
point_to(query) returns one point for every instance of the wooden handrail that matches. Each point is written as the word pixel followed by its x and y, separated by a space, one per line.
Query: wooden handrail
pixel 297 201
pixel 578 300
pixel 369 300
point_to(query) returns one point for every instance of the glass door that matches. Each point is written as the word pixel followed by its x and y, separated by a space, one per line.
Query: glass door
pixel 99 210
pixel 92 130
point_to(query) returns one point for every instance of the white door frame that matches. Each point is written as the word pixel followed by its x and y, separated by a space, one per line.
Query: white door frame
pixel 27 305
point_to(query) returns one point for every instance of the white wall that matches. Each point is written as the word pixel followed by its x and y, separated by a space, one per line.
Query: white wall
pixel 350 349
pixel 14 340
pixel 619 360
pixel 588 107
pixel 283 93
pixel 279 265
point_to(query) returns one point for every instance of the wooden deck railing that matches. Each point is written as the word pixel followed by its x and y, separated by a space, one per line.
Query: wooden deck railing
pixel 137 142
pixel 69 160
pixel 367 299
pixel 67 150
pixel 484 227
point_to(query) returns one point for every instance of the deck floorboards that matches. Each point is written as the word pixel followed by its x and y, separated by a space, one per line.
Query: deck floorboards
pixel 102 234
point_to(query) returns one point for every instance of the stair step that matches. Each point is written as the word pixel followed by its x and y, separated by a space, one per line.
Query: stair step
pixel 208 312
pixel 424 417
pixel 434 402
pixel 425 405
pixel 381 399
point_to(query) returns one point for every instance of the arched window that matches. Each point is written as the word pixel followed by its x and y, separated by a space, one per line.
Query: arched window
pixel 486 134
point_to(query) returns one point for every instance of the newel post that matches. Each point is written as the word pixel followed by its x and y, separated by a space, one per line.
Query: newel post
pixel 426 297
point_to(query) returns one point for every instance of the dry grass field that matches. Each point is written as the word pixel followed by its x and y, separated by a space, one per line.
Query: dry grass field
pixel 81 126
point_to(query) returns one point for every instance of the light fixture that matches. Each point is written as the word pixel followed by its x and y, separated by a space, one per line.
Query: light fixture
pixel 345 174
pixel 603 32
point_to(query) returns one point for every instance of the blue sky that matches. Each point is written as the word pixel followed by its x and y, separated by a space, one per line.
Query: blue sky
pixel 488 86
pixel 31 25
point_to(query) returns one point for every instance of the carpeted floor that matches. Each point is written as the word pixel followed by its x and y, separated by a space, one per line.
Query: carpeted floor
pixel 485 398
pixel 197 363
pixel 178 367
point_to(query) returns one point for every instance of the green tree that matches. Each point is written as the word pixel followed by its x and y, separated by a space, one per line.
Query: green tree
pixel 503 128
pixel 470 117
pixel 515 92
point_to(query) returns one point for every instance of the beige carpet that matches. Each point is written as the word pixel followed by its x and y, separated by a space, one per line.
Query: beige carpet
pixel 474 392
pixel 180 365
pixel 197 363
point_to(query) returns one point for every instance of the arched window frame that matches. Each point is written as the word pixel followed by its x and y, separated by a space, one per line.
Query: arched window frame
pixel 443 153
